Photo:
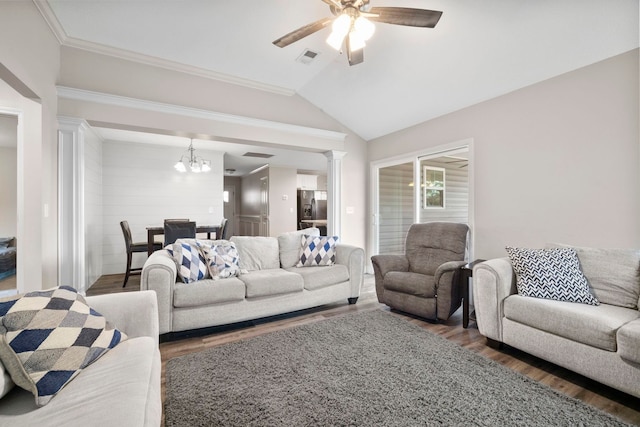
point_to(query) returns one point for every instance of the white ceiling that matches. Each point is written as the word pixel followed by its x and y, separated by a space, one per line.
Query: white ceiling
pixel 480 49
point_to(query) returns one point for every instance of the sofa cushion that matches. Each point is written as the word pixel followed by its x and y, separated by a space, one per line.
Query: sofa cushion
pixel 116 390
pixel 290 246
pixel 614 274
pixel 48 337
pixel 208 291
pixel 629 341
pixel 550 273
pixel 321 277
pixel 588 324
pixel 421 285
pixel 317 250
pixel 222 259
pixel 260 283
pixel 189 261
pixel 257 252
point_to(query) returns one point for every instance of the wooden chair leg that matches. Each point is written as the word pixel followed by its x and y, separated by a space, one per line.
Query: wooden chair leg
pixel 128 273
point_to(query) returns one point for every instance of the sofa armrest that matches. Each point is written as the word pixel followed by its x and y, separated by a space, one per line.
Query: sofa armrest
pixel 493 281
pixel 353 258
pixel 628 339
pixel 134 313
pixel 159 274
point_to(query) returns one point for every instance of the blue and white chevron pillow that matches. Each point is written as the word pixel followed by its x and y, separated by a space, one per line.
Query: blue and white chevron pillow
pixel 317 250
pixel 189 260
pixel 550 273
pixel 47 337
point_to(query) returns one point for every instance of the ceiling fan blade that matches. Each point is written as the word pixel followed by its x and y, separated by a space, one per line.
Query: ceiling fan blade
pixel 302 32
pixel 354 56
pixel 406 16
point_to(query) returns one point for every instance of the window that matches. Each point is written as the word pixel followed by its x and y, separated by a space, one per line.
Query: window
pixel 433 196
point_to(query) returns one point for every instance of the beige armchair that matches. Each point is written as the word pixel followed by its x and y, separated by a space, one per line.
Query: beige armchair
pixel 423 280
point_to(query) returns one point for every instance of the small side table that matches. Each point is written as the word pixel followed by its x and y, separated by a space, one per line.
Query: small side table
pixel 465 272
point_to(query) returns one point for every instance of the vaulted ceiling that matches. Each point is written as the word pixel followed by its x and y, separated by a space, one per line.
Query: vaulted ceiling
pixel 480 49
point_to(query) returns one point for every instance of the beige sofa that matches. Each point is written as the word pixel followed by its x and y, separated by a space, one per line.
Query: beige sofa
pixel 601 342
pixel 270 284
pixel 121 388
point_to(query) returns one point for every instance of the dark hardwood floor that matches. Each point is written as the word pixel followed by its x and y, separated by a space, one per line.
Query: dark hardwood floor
pixel 621 405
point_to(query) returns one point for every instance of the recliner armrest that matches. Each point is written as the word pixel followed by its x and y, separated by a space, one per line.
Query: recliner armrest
pixel 446 268
pixel 387 263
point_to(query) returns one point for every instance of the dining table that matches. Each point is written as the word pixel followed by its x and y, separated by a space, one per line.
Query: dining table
pixel 154 231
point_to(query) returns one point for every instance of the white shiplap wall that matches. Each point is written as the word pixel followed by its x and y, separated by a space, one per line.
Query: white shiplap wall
pixel 141 186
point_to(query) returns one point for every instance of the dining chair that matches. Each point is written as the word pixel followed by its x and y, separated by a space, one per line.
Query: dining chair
pixel 174 230
pixel 132 247
pixel 224 231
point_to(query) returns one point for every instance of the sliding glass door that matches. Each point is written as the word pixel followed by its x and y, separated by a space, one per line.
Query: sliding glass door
pixel 396 201
pixel 426 188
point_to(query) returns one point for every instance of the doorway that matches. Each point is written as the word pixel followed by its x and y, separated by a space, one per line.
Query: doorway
pixel 8 202
pixel 229 208
pixel 429 186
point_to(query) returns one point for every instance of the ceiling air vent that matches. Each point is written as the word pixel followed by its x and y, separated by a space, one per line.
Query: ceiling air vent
pixel 260 155
pixel 307 56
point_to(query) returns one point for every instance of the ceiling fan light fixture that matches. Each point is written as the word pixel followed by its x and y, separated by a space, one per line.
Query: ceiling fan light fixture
pixel 335 40
pixel 356 42
pixel 339 29
pixel 342 24
pixel 364 28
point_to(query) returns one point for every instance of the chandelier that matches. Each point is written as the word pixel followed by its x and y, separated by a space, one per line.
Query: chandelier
pixel 189 159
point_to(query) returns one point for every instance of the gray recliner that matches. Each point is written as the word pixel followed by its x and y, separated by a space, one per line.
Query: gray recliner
pixel 423 281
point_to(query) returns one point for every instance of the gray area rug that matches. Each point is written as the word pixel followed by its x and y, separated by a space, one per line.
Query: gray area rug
pixel 360 369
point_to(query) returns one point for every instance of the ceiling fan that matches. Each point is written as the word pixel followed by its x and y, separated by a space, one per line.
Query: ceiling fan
pixel 352 24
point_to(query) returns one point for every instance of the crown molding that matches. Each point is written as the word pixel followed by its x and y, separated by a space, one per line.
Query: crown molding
pixel 158 107
pixel 65 40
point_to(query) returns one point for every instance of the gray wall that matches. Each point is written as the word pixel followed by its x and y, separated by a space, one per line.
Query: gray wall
pixel 553 162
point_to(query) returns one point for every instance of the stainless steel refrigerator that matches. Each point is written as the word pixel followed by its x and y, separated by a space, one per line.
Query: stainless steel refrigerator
pixel 312 204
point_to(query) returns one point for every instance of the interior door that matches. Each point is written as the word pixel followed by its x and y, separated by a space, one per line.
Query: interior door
pixel 229 208
pixel 264 207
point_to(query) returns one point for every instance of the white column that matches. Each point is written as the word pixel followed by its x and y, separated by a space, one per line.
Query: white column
pixel 71 242
pixel 334 191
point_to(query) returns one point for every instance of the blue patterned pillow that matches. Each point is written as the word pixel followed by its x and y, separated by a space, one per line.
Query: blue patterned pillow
pixel 222 259
pixel 189 260
pixel 550 273
pixel 317 250
pixel 47 338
